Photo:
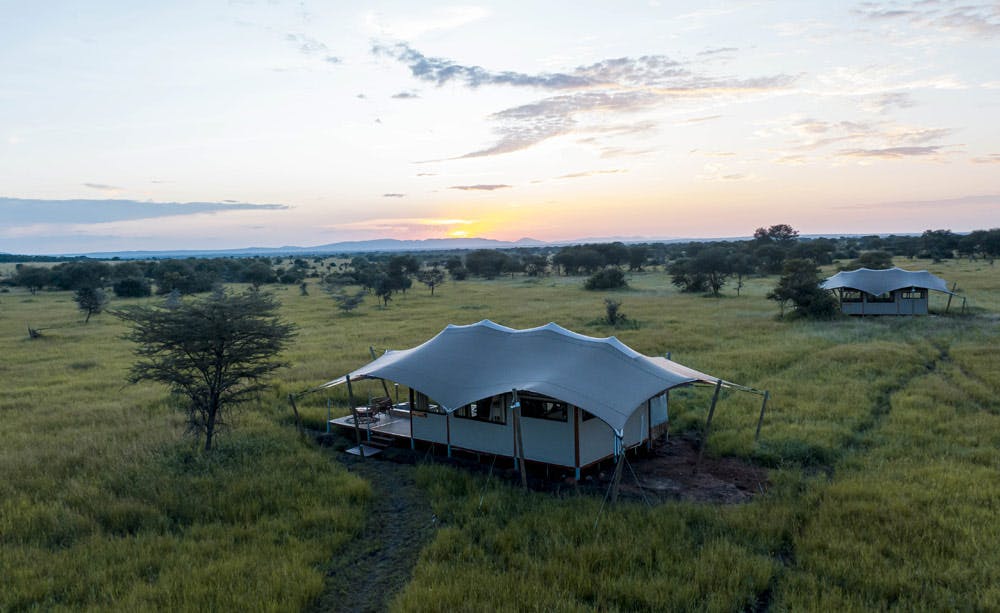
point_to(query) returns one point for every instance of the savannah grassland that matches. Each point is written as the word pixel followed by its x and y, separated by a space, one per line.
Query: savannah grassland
pixel 882 436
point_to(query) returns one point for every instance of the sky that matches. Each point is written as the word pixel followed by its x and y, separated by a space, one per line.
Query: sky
pixel 202 125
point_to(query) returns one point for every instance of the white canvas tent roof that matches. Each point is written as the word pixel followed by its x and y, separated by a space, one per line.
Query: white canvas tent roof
pixel 877 282
pixel 463 364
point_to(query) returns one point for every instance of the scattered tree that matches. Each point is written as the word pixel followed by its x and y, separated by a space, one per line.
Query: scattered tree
pixel 799 284
pixel 431 277
pixel 90 300
pixel 215 352
pixel 348 302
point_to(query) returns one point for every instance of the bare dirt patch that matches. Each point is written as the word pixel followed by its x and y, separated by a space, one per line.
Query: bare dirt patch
pixel 667 473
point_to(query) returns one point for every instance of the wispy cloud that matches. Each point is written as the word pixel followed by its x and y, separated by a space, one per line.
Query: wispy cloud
pixel 591 173
pixel 992 158
pixel 963 17
pixel 406 95
pixel 307 45
pixel 480 187
pixel 609 87
pixel 881 103
pixel 891 153
pixel 699 119
pixel 24 211
pixel 404 225
pixel 988 202
pixel 103 187
pixel 393 195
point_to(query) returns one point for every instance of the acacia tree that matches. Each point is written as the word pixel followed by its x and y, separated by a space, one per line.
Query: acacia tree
pixel 90 300
pixel 800 285
pixel 431 277
pixel 215 352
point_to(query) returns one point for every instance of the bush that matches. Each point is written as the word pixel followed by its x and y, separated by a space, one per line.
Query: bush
pixel 609 278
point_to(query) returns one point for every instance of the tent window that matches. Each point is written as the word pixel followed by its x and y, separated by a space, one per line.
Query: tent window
pixel 886 297
pixel 491 410
pixel 851 295
pixel 424 404
pixel 543 407
pixel 914 294
pixel 587 415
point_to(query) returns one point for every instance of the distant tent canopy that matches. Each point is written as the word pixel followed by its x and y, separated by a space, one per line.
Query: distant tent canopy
pixel 463 364
pixel 878 282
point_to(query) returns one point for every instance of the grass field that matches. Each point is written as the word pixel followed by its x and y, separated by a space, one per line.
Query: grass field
pixel 883 439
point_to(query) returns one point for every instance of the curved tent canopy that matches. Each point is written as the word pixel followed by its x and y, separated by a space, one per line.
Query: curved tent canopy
pixel 463 364
pixel 877 282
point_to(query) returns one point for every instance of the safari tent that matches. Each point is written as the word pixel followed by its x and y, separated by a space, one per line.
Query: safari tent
pixel 542 394
pixel 884 292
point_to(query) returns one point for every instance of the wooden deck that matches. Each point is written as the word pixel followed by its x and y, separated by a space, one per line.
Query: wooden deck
pixel 395 424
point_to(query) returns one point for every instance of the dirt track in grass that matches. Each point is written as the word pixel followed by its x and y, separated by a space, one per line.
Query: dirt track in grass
pixel 370 571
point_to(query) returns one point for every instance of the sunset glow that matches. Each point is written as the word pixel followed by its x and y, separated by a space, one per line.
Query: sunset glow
pixel 310 123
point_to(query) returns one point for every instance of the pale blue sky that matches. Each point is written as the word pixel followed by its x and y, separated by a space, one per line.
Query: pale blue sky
pixel 552 120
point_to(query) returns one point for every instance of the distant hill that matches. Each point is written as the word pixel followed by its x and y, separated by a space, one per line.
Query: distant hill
pixel 396 245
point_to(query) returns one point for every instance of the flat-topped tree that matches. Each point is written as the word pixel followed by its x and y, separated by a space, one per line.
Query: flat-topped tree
pixel 215 352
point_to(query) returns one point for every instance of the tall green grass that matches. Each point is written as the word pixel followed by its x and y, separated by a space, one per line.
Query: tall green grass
pixel 881 434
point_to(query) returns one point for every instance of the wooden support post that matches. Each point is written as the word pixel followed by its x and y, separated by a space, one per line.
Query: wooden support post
pixel 708 425
pixel 649 425
pixel 760 421
pixel 413 443
pixel 298 418
pixel 519 441
pixel 576 442
pixel 617 478
pixel 354 413
pixel 954 286
pixel 385 387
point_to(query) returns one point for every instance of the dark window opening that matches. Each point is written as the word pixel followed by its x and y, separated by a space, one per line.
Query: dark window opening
pixel 914 294
pixel 886 297
pixel 491 410
pixel 424 404
pixel 543 407
pixel 850 295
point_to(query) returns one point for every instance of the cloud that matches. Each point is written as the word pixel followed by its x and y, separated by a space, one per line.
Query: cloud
pixel 591 173
pixel 24 211
pixel 307 45
pixel 103 187
pixel 406 95
pixel 981 19
pixel 393 195
pixel 426 174
pixel 699 119
pixel 430 20
pixel 891 153
pixel 441 71
pixel 992 158
pixel 988 203
pixel 480 187
pixel 880 103
pixel 593 91
pixel 400 225
pixel 332 59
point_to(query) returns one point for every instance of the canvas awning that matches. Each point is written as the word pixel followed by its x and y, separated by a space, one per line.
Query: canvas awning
pixel 878 282
pixel 463 364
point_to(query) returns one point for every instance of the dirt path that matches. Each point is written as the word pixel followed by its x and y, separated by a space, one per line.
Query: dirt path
pixel 372 569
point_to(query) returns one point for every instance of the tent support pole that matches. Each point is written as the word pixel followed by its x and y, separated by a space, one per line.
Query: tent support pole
pixel 516 405
pixel 385 387
pixel 617 478
pixel 576 442
pixel 708 425
pixel 413 444
pixel 760 421
pixel 298 418
pixel 357 430
pixel 447 426
pixel 954 286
